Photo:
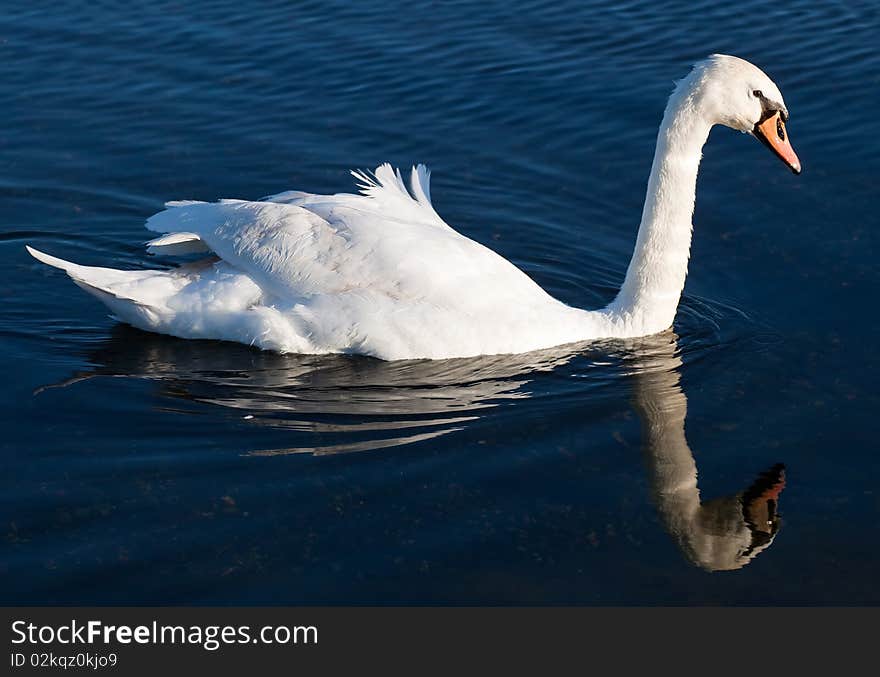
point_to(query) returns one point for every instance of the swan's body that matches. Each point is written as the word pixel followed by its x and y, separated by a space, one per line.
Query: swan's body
pixel 382 274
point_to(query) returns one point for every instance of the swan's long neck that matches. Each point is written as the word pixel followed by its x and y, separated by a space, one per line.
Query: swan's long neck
pixel 655 277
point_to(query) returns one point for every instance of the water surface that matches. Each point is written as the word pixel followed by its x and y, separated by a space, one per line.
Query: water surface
pixel 145 469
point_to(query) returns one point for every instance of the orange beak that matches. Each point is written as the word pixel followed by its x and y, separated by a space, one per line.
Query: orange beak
pixel 771 132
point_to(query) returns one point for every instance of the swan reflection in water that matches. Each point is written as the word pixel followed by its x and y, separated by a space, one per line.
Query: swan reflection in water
pixel 720 534
pixel 391 404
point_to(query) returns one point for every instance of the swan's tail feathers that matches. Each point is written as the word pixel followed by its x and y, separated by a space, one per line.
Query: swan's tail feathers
pixel 110 286
pixel 100 279
pixel 177 244
pixel 42 257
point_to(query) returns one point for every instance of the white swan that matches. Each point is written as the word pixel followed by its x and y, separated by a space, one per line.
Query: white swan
pixel 382 274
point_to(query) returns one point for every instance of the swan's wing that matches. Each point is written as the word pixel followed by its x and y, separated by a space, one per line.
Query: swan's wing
pixel 384 242
pixel 286 249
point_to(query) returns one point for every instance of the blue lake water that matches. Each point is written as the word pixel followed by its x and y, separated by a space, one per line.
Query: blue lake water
pixel 145 469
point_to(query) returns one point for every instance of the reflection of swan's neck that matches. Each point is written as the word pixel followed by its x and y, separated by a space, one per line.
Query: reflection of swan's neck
pixel 656 273
pixel 662 407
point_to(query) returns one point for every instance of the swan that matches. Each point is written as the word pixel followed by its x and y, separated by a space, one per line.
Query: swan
pixel 380 273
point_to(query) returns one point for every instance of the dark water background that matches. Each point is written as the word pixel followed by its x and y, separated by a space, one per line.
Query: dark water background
pixel 498 480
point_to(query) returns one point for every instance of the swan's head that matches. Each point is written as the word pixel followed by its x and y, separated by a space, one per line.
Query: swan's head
pixel 738 94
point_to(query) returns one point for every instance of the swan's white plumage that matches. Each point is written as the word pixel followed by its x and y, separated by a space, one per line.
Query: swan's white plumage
pixel 380 273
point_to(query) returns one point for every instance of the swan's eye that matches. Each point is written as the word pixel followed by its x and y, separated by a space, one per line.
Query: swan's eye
pixel 758 93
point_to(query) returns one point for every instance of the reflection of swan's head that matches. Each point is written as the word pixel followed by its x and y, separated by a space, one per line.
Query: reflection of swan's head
pixel 730 531
pixel 738 94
